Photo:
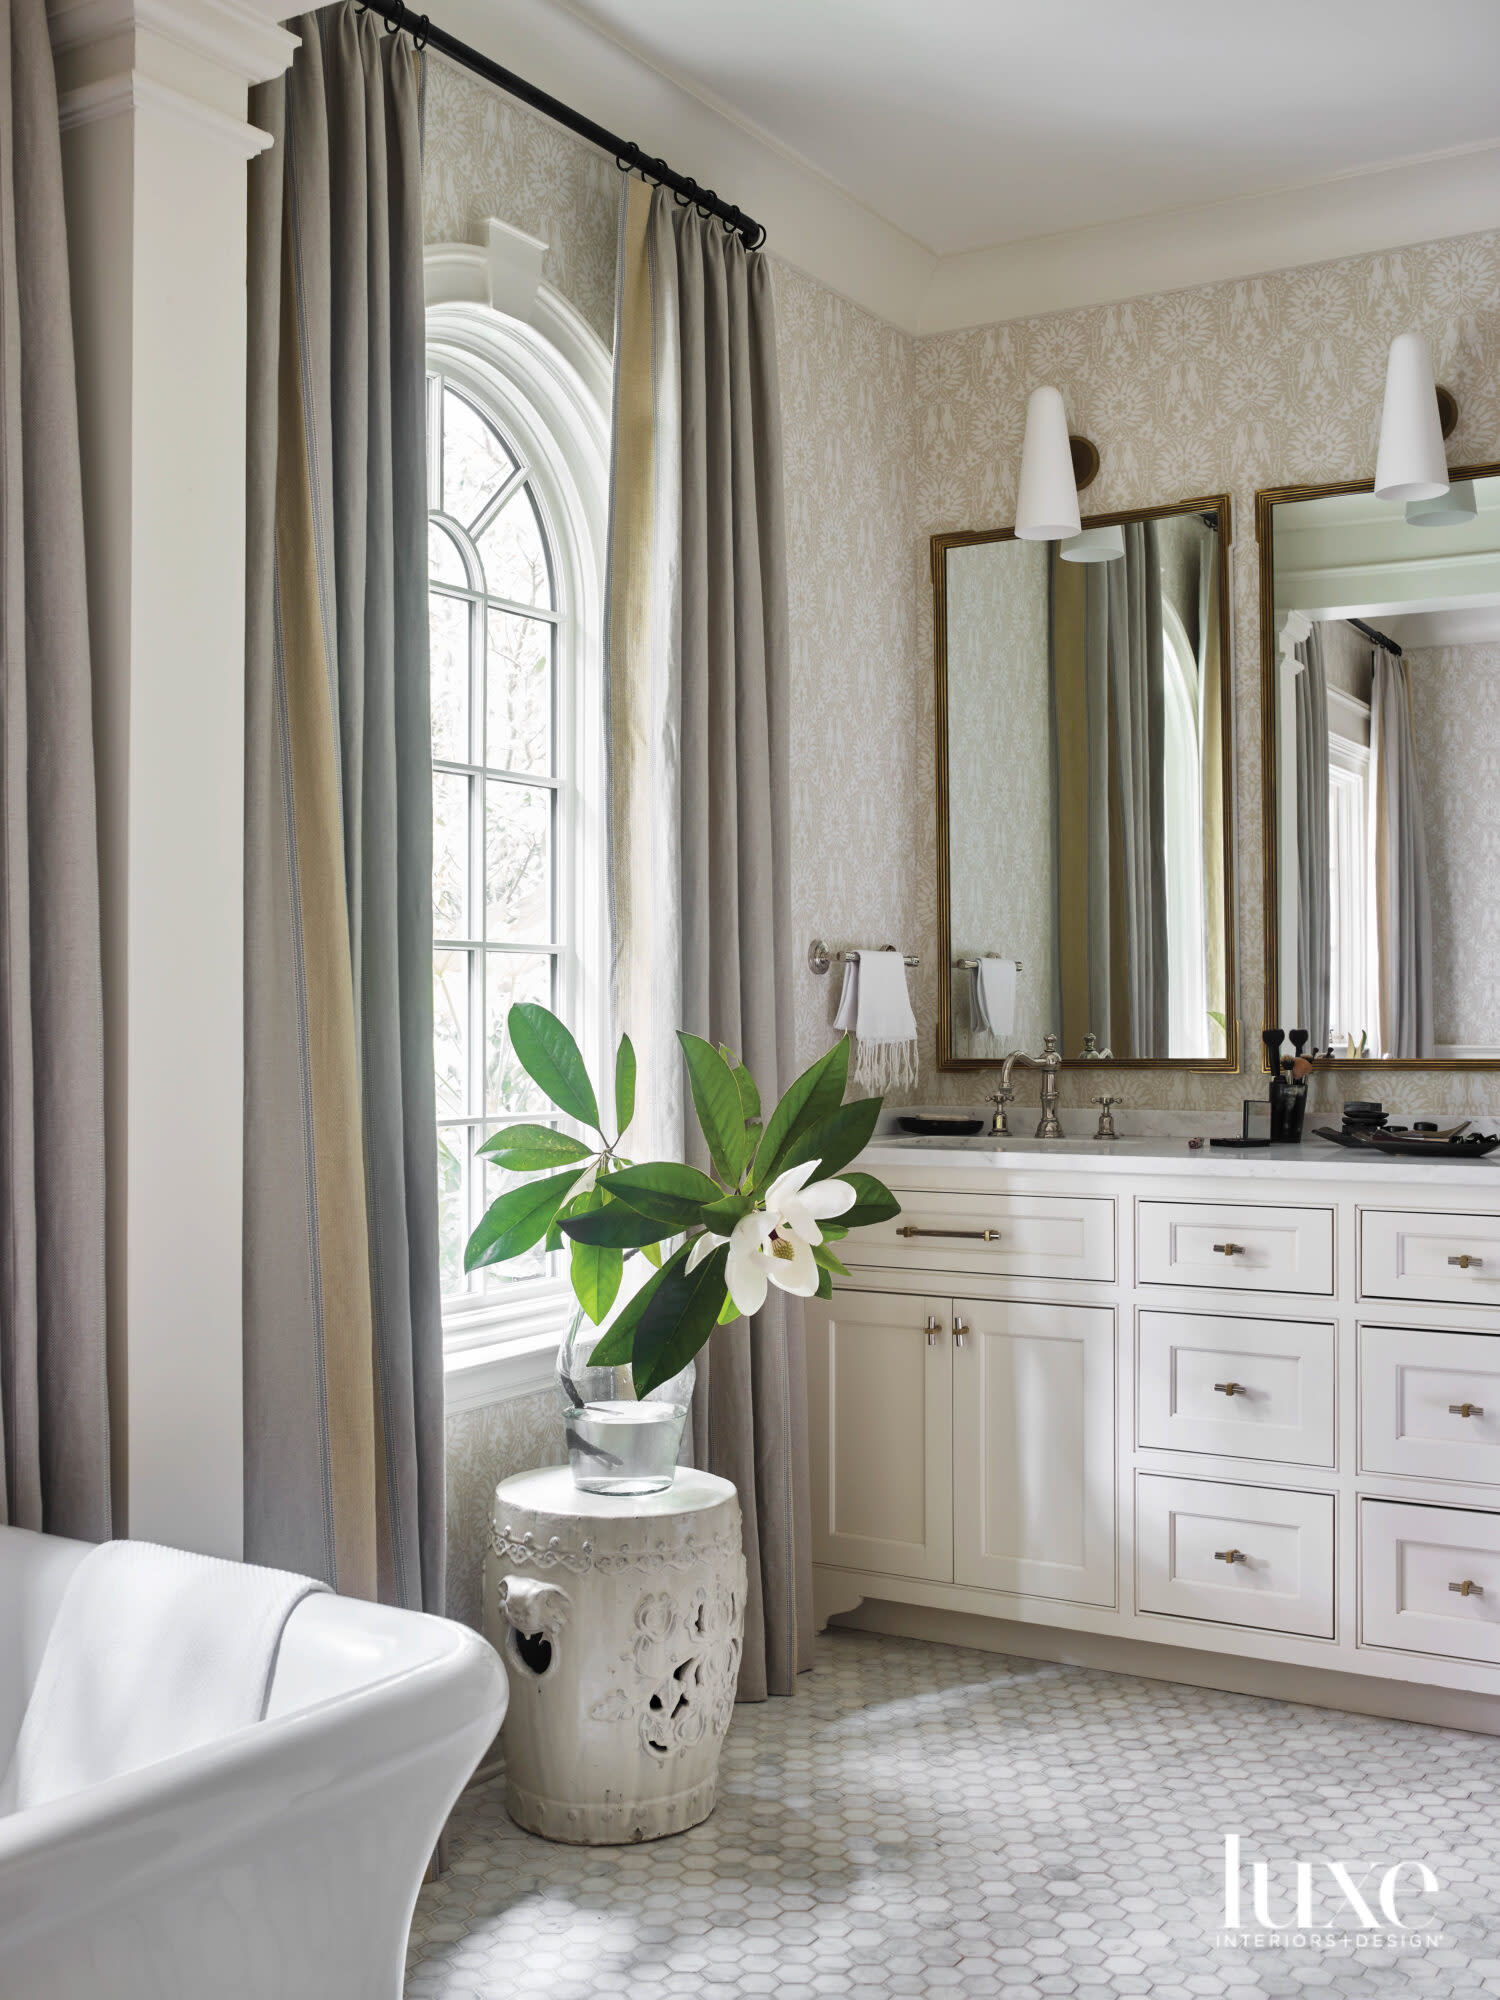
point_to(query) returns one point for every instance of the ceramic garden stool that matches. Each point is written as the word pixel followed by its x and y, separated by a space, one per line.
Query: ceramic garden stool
pixel 619 1619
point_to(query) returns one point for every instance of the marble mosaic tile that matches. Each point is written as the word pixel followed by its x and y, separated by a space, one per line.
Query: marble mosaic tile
pixel 925 1820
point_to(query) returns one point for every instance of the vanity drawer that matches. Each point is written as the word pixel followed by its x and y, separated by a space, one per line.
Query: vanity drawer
pixel 992 1235
pixel 1241 1388
pixel 1281 1578
pixel 1449 1259
pixel 1414 1562
pixel 1429 1403
pixel 1222 1246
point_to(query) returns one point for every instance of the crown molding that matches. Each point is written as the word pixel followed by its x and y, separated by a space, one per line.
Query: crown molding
pixel 1422 201
pixel 239 37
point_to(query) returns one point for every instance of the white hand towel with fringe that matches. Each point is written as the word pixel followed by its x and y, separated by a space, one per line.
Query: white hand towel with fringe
pixel 875 1007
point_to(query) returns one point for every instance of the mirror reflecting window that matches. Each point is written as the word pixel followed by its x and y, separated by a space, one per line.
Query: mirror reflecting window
pixel 1083 779
pixel 1381 626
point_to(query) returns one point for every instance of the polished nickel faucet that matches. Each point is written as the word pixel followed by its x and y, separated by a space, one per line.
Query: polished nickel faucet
pixel 1048 1062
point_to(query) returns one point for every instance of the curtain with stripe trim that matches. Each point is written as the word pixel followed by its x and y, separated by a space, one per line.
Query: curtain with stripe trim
pixel 343 1329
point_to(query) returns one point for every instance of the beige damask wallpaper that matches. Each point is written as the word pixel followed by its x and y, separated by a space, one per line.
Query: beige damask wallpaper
pixel 484 154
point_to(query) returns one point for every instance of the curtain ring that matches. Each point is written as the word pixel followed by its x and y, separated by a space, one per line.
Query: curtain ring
pixel 419 36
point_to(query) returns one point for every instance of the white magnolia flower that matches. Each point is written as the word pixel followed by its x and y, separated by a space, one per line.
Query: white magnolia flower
pixel 773 1245
pixel 802 1212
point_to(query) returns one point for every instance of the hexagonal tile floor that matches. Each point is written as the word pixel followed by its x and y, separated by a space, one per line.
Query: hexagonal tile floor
pixel 925 1820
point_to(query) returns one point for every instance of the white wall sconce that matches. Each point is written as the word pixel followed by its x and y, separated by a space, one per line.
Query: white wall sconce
pixel 1092 545
pixel 1411 464
pixel 1047 499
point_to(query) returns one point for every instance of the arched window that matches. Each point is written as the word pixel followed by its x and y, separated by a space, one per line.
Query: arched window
pixel 515 580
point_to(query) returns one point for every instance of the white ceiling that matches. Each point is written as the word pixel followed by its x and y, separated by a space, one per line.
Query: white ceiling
pixel 973 124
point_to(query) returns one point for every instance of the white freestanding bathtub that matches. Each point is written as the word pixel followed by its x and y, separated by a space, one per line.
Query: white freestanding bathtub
pixel 279 1863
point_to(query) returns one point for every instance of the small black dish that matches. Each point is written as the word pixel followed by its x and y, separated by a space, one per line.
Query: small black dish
pixel 941 1128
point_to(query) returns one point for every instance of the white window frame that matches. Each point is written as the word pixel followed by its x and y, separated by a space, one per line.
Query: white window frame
pixel 544 380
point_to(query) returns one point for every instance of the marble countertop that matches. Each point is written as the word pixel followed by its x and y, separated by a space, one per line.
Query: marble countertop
pixel 1314 1160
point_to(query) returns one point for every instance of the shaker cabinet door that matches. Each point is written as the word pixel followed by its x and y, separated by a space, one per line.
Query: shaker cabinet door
pixel 880 1419
pixel 1034 1449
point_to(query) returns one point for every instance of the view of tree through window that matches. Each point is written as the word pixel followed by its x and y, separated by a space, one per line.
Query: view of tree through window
pixel 493 625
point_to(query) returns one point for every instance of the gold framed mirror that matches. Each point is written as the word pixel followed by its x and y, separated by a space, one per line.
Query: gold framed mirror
pixel 1085 807
pixel 1380 740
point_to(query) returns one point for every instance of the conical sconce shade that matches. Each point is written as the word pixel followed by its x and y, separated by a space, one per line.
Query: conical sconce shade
pixel 1411 464
pixel 1047 503
pixel 1450 510
pixel 1094 545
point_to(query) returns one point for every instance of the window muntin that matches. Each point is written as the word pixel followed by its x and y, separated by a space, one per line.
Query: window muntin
pixel 503 795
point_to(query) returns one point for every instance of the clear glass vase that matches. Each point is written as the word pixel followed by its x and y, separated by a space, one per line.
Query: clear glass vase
pixel 618 1442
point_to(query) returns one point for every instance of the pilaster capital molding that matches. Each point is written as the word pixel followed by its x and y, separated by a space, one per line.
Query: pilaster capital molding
pixel 239 37
pixel 116 95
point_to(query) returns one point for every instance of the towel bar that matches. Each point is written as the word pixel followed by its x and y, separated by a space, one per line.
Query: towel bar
pixel 972 965
pixel 819 957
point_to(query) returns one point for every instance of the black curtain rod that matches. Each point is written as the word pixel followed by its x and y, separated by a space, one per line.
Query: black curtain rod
pixel 1386 645
pixel 628 157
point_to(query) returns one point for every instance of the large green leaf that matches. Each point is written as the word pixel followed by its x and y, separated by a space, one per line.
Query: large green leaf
pixel 744 1083
pixel 679 1316
pixel 526 1149
pixel 614 1349
pixel 716 1099
pixel 616 1227
pixel 827 1259
pixel 517 1220
pixel 549 1055
pixel 834 1141
pixel 815 1094
pixel 664 1190
pixel 596 1270
pixel 721 1216
pixel 624 1084
pixel 873 1202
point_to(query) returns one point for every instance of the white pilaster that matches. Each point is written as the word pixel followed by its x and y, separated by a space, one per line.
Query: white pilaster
pixel 155 148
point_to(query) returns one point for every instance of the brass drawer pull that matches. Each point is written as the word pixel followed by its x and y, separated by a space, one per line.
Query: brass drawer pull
pixel 1229 1249
pixel 984 1235
pixel 960 1332
pixel 1467 1589
pixel 1231 1389
pixel 1466 1409
pixel 1239 1556
pixel 1466 1260
pixel 934 1328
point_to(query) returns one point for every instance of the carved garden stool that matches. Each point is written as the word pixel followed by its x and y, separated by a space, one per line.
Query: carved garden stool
pixel 619 1619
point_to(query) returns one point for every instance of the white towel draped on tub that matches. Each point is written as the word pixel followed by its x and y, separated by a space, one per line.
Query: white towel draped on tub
pixel 875 1008
pixel 153 1651
pixel 994 996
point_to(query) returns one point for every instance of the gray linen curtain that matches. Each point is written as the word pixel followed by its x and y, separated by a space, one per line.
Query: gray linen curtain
pixel 699 694
pixel 1135 670
pixel 54 1405
pixel 1403 901
pixel 1314 938
pixel 343 1328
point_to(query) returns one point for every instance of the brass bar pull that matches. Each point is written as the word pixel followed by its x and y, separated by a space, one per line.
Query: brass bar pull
pixel 1464 1262
pixel 960 1332
pixel 1231 1388
pixel 1467 1588
pixel 1465 1410
pixel 1229 1249
pixel 1238 1556
pixel 983 1235
pixel 934 1328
